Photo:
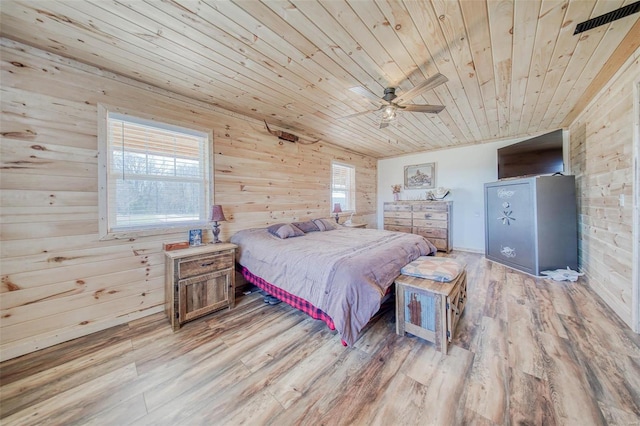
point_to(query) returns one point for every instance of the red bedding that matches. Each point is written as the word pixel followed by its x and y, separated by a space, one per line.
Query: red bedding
pixel 288 298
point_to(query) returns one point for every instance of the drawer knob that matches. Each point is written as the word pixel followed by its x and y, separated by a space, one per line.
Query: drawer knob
pixel 427 215
pixel 202 265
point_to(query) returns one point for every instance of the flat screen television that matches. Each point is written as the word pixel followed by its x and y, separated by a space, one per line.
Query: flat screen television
pixel 537 156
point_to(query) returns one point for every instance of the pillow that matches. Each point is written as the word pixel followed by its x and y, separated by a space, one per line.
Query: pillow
pixel 305 227
pixel 324 224
pixel 440 269
pixel 285 230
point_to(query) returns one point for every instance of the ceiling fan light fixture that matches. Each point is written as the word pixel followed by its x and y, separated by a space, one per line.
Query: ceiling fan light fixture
pixel 389 104
pixel 389 113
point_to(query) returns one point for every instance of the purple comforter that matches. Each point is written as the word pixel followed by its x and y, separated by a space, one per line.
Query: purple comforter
pixel 345 272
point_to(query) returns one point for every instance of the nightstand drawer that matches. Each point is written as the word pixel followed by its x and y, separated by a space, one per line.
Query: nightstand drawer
pixel 204 264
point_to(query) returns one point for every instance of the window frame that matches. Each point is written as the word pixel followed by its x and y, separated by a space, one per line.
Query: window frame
pixel 351 191
pixel 104 227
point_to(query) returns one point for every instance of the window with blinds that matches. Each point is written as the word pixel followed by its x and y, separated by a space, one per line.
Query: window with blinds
pixel 343 186
pixel 158 175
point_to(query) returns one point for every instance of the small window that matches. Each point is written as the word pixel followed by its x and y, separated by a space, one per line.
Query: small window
pixel 343 186
pixel 155 176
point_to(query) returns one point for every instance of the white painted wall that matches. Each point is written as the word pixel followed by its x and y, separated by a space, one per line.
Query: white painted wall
pixel 464 171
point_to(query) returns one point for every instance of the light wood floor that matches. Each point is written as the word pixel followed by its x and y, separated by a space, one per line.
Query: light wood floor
pixel 526 351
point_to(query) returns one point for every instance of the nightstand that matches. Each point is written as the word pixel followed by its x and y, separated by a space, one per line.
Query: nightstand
pixel 355 225
pixel 198 281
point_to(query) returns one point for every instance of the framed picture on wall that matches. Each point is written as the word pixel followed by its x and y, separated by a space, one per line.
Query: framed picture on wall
pixel 420 176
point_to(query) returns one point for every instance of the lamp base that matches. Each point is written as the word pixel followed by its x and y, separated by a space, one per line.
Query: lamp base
pixel 216 231
pixel 337 218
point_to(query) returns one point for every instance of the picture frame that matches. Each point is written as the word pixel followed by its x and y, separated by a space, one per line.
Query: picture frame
pixel 195 237
pixel 420 176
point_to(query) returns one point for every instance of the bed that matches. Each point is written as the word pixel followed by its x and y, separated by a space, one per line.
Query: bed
pixel 337 274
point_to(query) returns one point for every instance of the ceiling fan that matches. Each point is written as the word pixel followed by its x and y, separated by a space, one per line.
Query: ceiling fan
pixel 390 103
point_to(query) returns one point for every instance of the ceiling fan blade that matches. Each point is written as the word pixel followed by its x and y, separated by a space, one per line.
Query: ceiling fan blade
pixel 360 113
pixel 429 83
pixel 363 91
pixel 422 108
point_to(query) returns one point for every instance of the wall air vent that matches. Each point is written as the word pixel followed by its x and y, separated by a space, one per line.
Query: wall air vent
pixel 607 17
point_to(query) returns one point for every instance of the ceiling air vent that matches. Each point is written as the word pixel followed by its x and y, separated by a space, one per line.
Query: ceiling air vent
pixel 607 17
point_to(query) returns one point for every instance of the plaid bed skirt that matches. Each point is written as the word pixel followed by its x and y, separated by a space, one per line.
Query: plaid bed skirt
pixel 289 298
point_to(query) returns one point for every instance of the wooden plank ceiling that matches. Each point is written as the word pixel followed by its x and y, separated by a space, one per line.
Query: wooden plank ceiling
pixel 514 68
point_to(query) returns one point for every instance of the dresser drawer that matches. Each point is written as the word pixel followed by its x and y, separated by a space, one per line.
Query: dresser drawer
pixel 431 207
pixel 398 214
pixel 431 232
pixel 440 244
pixel 396 228
pixel 427 223
pixel 204 264
pixel 393 207
pixel 397 222
pixel 430 215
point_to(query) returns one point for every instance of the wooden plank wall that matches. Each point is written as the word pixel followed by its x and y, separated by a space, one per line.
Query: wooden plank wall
pixel 602 160
pixel 58 280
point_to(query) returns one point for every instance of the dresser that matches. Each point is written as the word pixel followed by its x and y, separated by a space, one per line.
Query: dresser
pixel 431 219
pixel 531 223
pixel 198 281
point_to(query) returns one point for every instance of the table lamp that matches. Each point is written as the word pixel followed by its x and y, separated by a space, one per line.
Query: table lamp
pixel 336 210
pixel 217 215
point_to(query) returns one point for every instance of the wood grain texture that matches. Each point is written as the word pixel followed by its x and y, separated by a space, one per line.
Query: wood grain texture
pixel 514 68
pixel 59 280
pixel 601 156
pixel 262 364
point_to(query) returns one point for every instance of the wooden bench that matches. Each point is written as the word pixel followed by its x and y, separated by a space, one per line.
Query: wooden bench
pixel 430 309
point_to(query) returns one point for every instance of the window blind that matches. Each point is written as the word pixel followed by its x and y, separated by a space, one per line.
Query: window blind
pixel 157 174
pixel 343 184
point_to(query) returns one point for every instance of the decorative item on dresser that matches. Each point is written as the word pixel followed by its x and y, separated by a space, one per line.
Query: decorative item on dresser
pixel 198 281
pixel 431 219
pixel 395 189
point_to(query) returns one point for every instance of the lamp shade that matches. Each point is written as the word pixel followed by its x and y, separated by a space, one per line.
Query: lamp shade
pixel 336 208
pixel 217 215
